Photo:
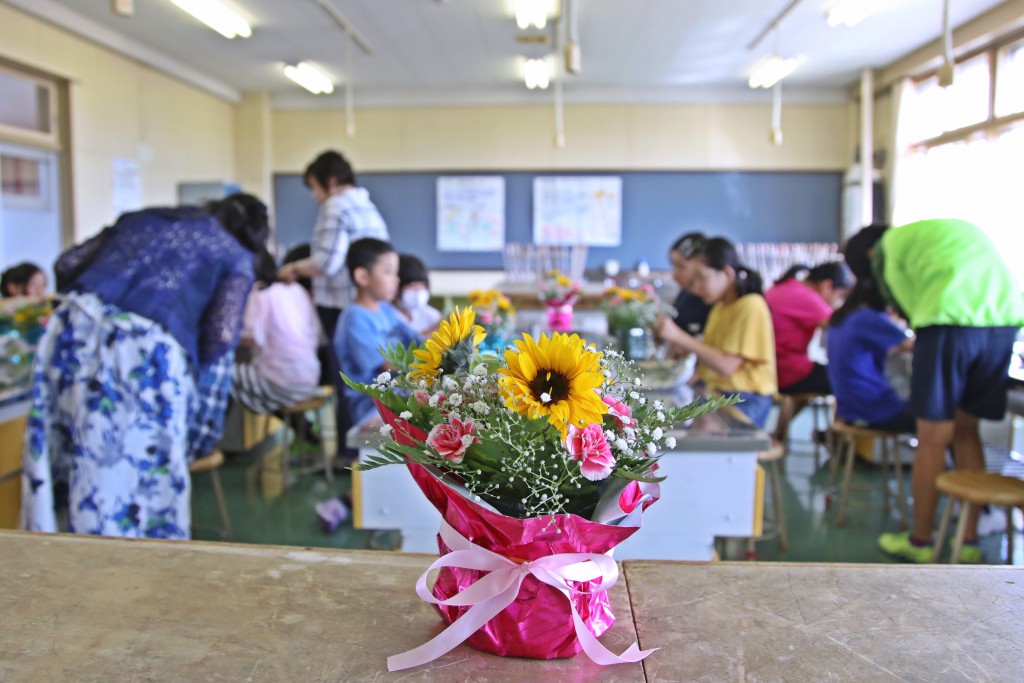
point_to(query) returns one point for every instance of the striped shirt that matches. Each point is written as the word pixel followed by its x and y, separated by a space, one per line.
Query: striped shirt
pixel 344 218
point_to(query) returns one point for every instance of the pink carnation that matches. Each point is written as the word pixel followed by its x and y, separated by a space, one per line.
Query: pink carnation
pixel 451 439
pixel 422 396
pixel 622 412
pixel 589 446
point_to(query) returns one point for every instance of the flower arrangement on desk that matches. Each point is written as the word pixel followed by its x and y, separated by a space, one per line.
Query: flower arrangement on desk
pixel 26 316
pixel 495 314
pixel 540 461
pixel 559 292
pixel 631 313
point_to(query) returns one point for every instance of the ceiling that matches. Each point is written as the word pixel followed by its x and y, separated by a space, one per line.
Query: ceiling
pixel 465 51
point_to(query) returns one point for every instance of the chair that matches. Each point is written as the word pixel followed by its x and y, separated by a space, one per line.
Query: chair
pixel 846 437
pixel 320 403
pixel 977 488
pixel 771 460
pixel 211 463
pixel 822 407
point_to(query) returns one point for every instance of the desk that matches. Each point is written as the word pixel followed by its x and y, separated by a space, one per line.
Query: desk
pixel 803 622
pixel 710 491
pixel 14 405
pixel 93 609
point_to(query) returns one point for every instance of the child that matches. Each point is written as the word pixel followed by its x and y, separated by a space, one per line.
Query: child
pixel 691 312
pixel 801 303
pixel 860 338
pixel 24 279
pixel 413 300
pixel 371 322
pixel 737 355
pixel 282 329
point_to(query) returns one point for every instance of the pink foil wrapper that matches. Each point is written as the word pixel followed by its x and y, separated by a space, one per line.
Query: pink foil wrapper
pixel 560 318
pixel 539 623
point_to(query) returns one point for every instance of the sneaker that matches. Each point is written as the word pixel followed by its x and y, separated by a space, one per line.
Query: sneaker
pixel 900 546
pixel 970 554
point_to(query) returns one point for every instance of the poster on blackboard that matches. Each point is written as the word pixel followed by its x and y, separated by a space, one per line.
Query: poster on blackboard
pixel 577 210
pixel 470 213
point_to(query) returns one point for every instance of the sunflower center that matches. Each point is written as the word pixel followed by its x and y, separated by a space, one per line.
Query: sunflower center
pixel 552 383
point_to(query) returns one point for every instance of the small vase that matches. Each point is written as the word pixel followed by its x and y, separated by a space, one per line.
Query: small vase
pixel 635 343
pixel 560 318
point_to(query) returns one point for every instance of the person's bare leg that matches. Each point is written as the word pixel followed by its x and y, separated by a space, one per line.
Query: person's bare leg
pixel 789 409
pixel 933 438
pixel 968 454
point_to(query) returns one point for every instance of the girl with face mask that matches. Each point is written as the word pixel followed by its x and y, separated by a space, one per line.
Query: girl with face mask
pixel 413 299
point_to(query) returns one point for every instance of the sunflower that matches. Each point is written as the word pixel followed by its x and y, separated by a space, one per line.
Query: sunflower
pixel 449 349
pixel 554 378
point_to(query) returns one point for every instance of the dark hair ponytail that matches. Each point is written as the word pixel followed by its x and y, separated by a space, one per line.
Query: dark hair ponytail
pixel 245 217
pixel 795 272
pixel 719 253
pixel 865 293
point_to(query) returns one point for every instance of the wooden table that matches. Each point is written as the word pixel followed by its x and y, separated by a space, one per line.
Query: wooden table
pixel 91 609
pixel 804 622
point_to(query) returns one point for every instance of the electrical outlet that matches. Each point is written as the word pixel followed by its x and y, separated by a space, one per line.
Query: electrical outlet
pixel 124 8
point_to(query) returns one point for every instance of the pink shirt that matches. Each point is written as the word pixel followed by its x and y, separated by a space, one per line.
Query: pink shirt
pixel 283 325
pixel 797 311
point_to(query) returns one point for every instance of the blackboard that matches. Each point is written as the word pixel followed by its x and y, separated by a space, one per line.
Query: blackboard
pixel 657 207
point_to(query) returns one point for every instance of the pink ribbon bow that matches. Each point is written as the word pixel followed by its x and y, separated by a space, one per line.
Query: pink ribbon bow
pixel 497 590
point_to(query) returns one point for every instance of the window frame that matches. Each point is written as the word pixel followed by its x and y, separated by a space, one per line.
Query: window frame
pixel 49 139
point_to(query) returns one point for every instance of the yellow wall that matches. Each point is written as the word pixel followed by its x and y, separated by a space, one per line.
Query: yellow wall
pixel 637 137
pixel 122 109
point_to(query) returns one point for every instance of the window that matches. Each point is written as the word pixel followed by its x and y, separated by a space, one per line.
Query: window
pixel 1010 80
pixel 27 107
pixel 935 110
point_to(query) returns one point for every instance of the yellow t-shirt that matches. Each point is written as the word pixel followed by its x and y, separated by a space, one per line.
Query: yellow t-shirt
pixel 743 328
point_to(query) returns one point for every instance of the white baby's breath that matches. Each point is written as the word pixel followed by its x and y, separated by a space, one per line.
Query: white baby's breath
pixel 405 415
pixel 670 442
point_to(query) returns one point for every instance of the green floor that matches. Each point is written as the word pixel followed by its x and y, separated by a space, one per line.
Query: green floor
pixel 810 520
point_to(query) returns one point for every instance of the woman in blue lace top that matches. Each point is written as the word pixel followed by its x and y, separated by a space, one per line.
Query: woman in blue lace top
pixel 133 373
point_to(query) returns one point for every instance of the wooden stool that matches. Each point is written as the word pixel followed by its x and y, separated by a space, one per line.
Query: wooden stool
pixel 977 488
pixel 210 463
pixel 293 415
pixel 771 461
pixel 846 438
pixel 822 408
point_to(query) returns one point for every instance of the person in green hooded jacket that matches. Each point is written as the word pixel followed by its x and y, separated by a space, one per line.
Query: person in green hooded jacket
pixel 949 281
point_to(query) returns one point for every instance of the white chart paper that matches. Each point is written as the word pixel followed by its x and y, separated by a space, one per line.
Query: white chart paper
pixel 577 210
pixel 470 213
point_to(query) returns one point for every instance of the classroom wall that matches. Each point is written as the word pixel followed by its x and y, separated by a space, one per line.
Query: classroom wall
pixel 120 108
pixel 688 137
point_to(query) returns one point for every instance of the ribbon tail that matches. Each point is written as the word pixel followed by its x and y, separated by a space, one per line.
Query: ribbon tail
pixel 597 652
pixel 461 629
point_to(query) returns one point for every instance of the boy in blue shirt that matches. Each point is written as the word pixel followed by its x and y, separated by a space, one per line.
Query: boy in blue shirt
pixel 371 322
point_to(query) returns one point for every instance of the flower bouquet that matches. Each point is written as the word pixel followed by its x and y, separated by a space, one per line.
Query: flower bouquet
pixel 496 314
pixel 540 460
pixel 630 313
pixel 559 292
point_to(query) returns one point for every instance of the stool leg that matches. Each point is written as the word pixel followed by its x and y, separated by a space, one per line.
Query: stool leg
pixel 947 514
pixel 814 437
pixel 886 471
pixel 222 508
pixel 849 453
pixel 901 499
pixel 328 469
pixel 1009 534
pixel 780 517
pixel 961 531
pixel 835 462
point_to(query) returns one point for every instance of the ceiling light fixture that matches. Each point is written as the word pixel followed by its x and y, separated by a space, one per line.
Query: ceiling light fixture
pixel 532 13
pixel 852 12
pixel 772 70
pixel 217 16
pixel 537 73
pixel 309 77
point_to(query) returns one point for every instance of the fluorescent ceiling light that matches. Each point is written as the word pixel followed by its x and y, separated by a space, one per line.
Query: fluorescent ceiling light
pixel 772 70
pixel 852 12
pixel 537 73
pixel 309 77
pixel 217 16
pixel 532 13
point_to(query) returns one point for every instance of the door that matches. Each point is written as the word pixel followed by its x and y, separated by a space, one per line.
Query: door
pixel 30 211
